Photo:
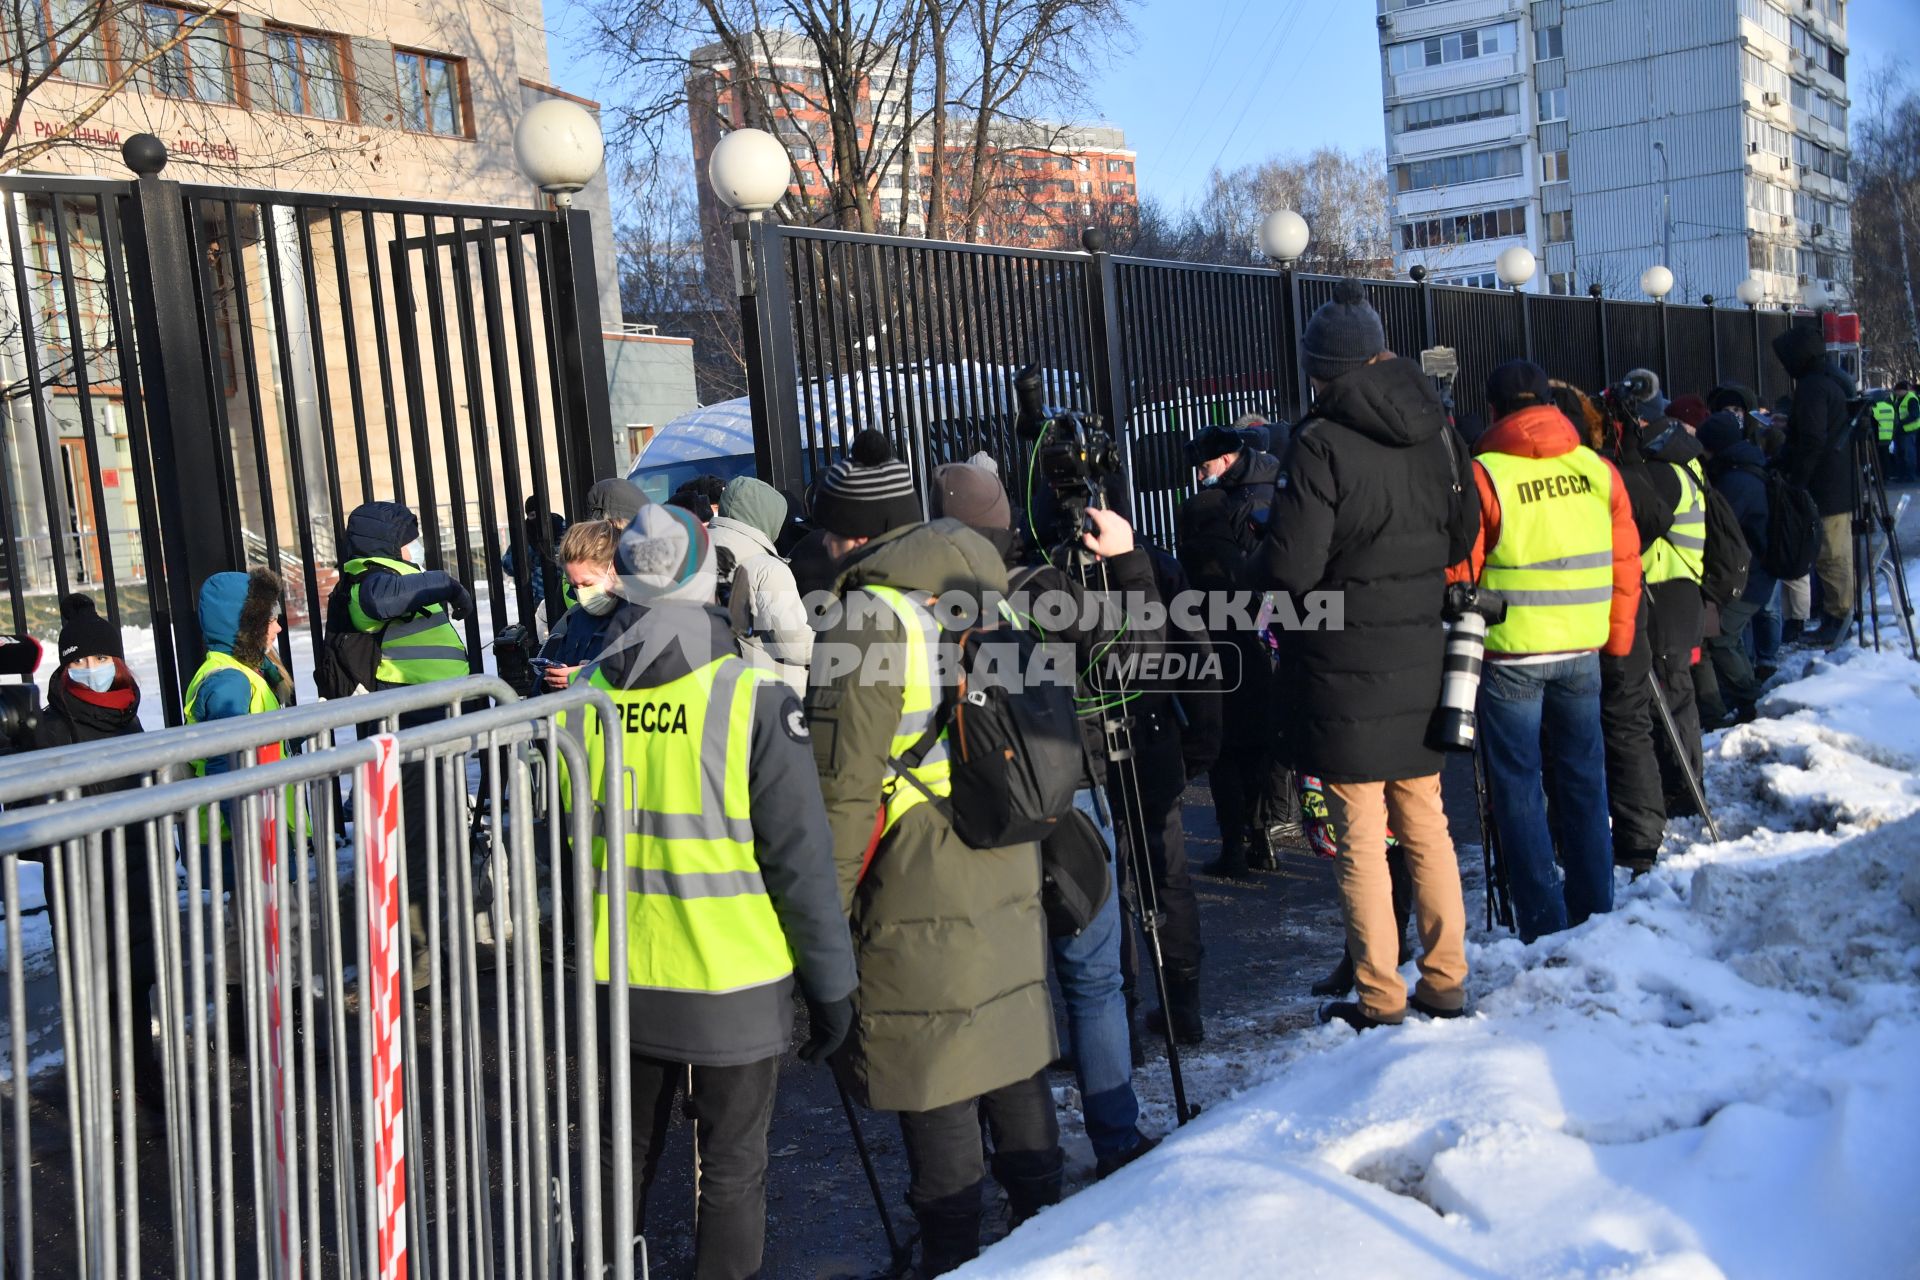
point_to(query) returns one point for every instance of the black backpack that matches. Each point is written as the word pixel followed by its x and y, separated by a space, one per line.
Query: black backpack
pixel 1728 559
pixel 1014 747
pixel 1793 527
pixel 1076 875
pixel 349 658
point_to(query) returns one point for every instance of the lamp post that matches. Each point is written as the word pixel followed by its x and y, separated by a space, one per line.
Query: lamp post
pixel 1657 282
pixel 750 171
pixel 1599 296
pixel 559 147
pixel 1515 267
pixel 1418 274
pixel 1713 334
pixel 1284 235
pixel 1753 293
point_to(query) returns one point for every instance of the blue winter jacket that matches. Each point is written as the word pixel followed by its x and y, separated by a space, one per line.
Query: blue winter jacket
pixel 225 694
pixel 382 529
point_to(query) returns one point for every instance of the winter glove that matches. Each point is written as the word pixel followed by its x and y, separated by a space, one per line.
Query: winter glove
pixel 827 1027
pixel 460 603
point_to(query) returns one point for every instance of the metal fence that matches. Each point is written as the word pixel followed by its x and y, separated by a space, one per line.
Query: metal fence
pixel 319 1106
pixel 920 339
pixel 199 374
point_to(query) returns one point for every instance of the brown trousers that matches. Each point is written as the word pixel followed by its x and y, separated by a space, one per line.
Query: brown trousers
pixel 1834 566
pixel 1361 813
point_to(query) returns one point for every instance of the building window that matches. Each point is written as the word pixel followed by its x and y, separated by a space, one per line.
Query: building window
pixel 1560 283
pixel 1559 226
pixel 1479 280
pixel 1456 108
pixel 67 31
pixel 1447 171
pixel 1458 46
pixel 1464 228
pixel 200 67
pixel 1547 44
pixel 1553 105
pixel 1553 167
pixel 432 94
pixel 306 73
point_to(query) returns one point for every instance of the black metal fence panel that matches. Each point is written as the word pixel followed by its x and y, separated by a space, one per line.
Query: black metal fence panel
pixel 1691 355
pixel 211 378
pixel 1633 339
pixel 1483 328
pixel 1566 340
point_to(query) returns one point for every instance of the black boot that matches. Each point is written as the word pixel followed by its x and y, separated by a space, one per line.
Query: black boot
pixel 1260 851
pixel 1337 983
pixel 1232 862
pixel 1183 1001
pixel 1352 1014
pixel 949 1237
pixel 1031 1180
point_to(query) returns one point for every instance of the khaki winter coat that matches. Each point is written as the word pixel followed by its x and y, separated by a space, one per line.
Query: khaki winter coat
pixel 950 941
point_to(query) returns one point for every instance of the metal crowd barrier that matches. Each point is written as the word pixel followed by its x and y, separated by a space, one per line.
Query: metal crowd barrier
pixel 311 1114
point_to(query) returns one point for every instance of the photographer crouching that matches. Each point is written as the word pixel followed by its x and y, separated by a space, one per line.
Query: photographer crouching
pixel 1375 502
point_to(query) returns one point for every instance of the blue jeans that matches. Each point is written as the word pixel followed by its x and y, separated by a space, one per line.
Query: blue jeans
pixel 1088 968
pixel 1903 452
pixel 1515 702
pixel 1764 630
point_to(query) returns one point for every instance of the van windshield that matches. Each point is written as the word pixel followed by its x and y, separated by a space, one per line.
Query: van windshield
pixel 659 482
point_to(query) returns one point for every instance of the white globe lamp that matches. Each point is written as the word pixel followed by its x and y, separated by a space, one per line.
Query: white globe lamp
pixel 559 147
pixel 1751 291
pixel 1656 282
pixel 750 170
pixel 1515 266
pixel 1284 236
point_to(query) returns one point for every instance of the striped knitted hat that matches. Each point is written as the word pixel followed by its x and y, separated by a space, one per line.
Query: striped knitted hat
pixel 867 492
pixel 664 556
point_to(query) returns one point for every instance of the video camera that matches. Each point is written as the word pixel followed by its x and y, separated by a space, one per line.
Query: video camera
pixel 19 703
pixel 1072 454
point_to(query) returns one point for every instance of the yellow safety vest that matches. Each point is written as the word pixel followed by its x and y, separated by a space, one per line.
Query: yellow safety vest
pixel 1553 562
pixel 1908 412
pixel 1682 552
pixel 414 650
pixel 698 917
pixel 260 698
pixel 1884 417
pixel 919 705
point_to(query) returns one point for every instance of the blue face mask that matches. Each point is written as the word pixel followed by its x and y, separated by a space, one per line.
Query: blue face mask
pixel 1207 482
pixel 98 679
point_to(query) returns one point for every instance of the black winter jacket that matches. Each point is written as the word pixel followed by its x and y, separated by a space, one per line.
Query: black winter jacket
pixel 1376 500
pixel 1818 455
pixel 1739 473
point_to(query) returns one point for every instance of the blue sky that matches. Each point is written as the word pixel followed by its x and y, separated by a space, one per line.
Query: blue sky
pixel 1235 81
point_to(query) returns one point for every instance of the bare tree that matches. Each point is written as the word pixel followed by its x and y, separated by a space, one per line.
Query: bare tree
pixel 1342 195
pixel 668 279
pixel 1886 223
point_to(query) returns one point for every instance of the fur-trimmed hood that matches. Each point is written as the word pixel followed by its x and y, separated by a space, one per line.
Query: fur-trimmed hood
pixel 235 609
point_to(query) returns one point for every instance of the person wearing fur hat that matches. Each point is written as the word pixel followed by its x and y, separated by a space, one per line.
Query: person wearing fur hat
pixel 725 918
pixel 239 621
pixel 92 697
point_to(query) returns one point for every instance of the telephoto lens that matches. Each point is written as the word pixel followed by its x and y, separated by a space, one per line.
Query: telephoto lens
pixel 1469 611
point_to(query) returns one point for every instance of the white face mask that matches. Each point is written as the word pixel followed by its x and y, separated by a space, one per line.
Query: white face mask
pixel 414 552
pixel 98 679
pixel 596 600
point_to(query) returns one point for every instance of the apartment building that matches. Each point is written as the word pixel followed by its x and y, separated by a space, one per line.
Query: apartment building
pixel 1045 180
pixel 1608 135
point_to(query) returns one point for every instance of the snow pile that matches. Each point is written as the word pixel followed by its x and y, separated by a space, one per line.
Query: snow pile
pixel 1720 1078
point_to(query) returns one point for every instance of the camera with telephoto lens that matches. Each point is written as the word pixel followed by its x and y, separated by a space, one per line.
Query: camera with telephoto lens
pixel 1468 612
pixel 1071 454
pixel 1636 388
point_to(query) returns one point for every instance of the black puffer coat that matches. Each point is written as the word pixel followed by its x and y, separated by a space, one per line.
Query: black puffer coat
pixel 1375 501
pixel 1818 455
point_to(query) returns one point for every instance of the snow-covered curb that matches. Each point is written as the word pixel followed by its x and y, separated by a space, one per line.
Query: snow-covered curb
pixel 1720 1078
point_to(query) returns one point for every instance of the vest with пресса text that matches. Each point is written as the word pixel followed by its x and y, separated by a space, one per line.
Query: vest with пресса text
pixel 1885 417
pixel 1553 559
pixel 697 915
pixel 1682 551
pixel 417 649
pixel 919 705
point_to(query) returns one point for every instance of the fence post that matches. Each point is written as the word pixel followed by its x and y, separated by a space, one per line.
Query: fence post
pixel 1419 276
pixel 1526 322
pixel 1666 355
pixel 586 419
pixel 1713 335
pixel 1753 309
pixel 1599 297
pixel 1109 360
pixel 178 399
pixel 1302 387
pixel 766 334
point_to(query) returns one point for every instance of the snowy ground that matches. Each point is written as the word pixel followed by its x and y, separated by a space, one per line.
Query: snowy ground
pixel 1720 1078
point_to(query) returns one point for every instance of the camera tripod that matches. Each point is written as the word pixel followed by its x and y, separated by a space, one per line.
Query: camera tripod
pixel 1872 511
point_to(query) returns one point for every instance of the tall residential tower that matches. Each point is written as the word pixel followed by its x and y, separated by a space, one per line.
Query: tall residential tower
pixel 1608 135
